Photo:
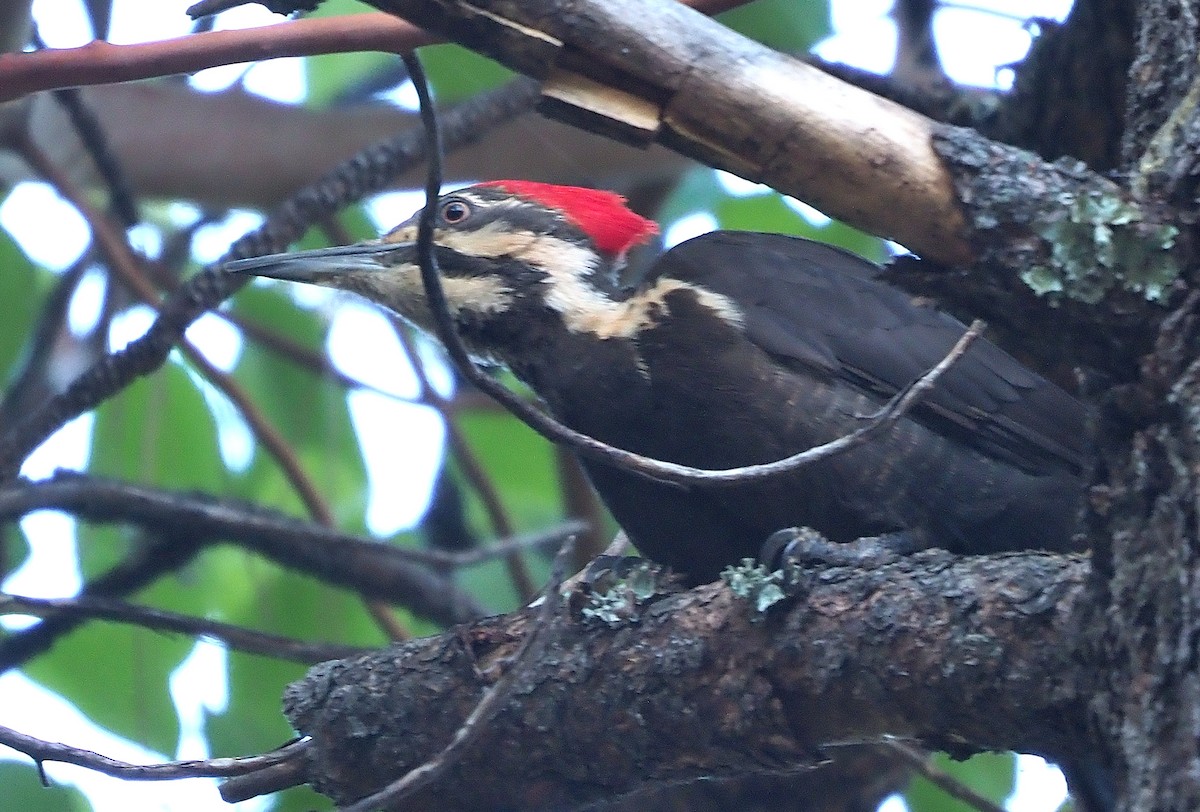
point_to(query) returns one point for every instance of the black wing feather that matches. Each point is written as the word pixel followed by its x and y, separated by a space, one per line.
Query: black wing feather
pixel 816 307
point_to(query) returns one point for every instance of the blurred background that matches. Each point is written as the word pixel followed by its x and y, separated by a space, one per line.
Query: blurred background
pixel 367 411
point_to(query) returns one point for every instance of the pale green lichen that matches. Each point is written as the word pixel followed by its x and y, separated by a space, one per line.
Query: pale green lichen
pixel 619 605
pixel 752 581
pixel 612 608
pixel 1101 242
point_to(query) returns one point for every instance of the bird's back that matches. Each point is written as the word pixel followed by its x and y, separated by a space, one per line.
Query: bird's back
pixel 990 463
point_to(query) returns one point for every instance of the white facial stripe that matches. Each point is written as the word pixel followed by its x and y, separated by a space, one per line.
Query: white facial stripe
pixel 567 266
pixel 400 286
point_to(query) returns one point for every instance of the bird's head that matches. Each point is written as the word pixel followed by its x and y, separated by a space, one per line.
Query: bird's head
pixel 509 252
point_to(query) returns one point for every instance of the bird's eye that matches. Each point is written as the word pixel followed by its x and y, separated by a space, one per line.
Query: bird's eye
pixel 455 211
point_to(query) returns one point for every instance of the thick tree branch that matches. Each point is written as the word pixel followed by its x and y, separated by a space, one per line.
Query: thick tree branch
pixel 961 654
pixel 658 71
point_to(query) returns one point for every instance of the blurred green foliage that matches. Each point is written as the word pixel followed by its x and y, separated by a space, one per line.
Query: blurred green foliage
pixel 988 774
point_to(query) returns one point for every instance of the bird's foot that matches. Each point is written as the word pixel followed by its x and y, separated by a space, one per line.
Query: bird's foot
pixel 805 546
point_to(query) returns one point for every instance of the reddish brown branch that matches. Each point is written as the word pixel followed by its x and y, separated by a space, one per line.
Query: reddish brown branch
pixel 101 62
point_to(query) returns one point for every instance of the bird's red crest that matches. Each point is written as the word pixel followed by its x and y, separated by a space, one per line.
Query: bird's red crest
pixel 600 214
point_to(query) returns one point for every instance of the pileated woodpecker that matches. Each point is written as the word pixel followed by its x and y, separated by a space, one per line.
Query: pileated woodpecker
pixel 737 348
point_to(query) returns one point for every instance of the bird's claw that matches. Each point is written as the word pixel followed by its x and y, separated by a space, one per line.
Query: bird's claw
pixel 805 546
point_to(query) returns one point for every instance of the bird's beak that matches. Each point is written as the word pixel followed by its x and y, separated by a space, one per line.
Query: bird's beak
pixel 323 265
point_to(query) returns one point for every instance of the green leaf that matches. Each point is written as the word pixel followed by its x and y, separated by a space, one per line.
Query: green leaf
pixel 117 676
pixel 22 789
pixel 989 774
pixel 19 282
pixel 781 24
pixel 289 604
pixel 457 73
pixel 697 190
pixel 357 223
pixel 309 410
pixel 158 431
pixel 520 464
pixel 768 212
pixel 328 75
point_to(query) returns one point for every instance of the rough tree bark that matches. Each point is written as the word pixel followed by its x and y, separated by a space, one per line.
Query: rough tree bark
pixel 1094 271
pixel 965 654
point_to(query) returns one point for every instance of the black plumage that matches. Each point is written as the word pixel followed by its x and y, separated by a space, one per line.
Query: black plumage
pixel 991 461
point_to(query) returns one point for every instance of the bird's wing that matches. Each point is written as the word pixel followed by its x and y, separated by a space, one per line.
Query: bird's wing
pixel 820 309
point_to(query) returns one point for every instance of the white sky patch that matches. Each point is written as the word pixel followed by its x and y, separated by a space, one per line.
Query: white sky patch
pixel 313 297
pixel 404 96
pixel 146 239
pixel 235 440
pixel 1040 786
pixel 863 35
pixel 83 311
pixel 26 213
pixel 390 209
pixel 52 568
pixel 219 340
pixel 363 345
pixel 129 325
pixel 211 241
pixel 893 803
pixel 30 708
pixel 199 687
pixel 62 23
pixel 814 216
pixel 688 226
pixel 182 213
pixel 138 21
pixel 69 447
pixel 218 78
pixel 436 365
pixel 984 65
pixel 279 79
pixel 738 186
pixel 401 446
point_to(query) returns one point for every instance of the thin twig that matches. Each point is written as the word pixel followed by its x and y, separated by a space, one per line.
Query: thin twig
pixel 232 636
pixel 33 378
pixel 475 473
pixel 923 764
pixel 155 555
pixel 246 524
pixel 493 700
pixel 91 134
pixel 40 750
